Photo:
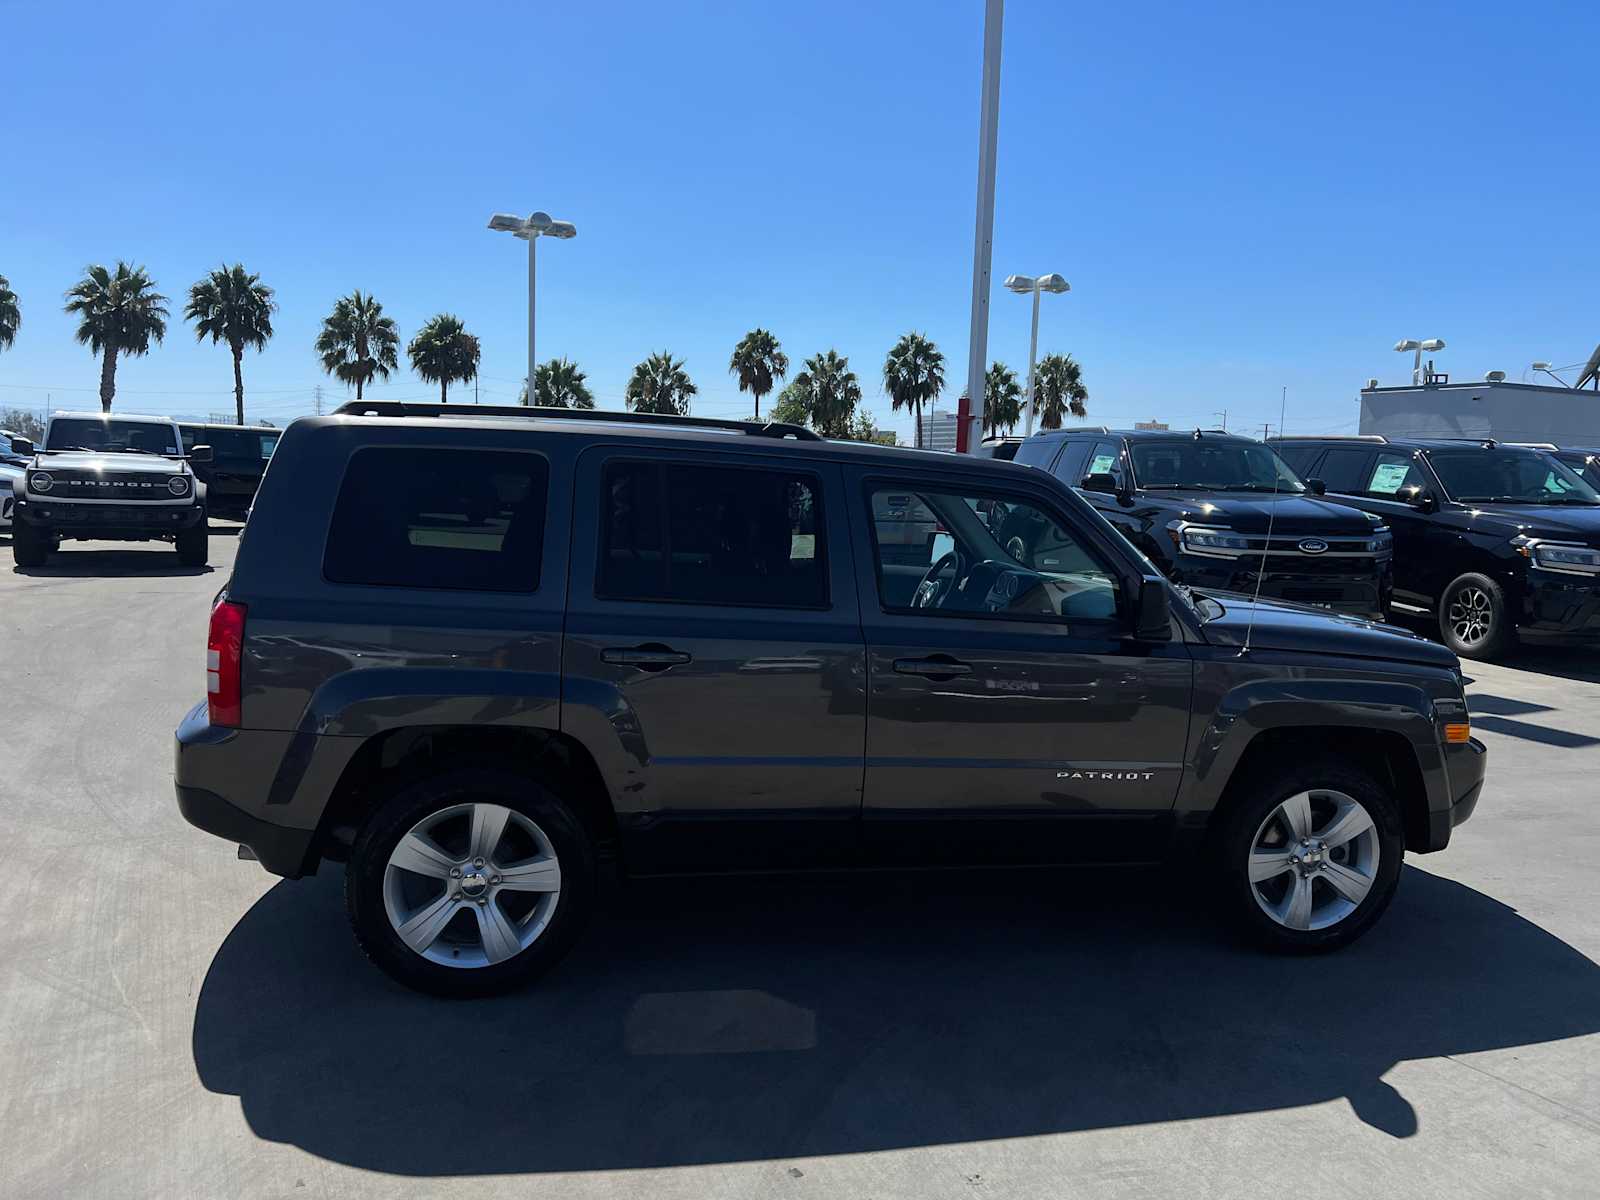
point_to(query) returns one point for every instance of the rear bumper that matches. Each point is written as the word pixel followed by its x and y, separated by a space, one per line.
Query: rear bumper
pixel 280 850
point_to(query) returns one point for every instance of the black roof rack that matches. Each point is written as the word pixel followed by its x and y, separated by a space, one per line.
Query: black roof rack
pixel 398 408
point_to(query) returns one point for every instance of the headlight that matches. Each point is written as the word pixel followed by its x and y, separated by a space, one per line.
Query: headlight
pixel 178 485
pixel 1569 557
pixel 1381 542
pixel 40 481
pixel 1212 540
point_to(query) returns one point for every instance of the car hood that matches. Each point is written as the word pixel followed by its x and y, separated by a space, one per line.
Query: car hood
pixel 1280 625
pixel 1251 512
pixel 1544 520
pixel 82 460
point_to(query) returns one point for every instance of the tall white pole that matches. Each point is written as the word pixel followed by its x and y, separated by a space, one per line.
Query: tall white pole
pixel 1033 353
pixel 983 237
pixel 533 240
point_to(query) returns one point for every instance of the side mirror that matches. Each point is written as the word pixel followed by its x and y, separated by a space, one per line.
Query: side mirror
pixel 200 454
pixel 22 446
pixel 1102 481
pixel 1316 487
pixel 1153 621
pixel 1423 501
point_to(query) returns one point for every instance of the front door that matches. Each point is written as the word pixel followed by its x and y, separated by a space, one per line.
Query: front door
pixel 713 646
pixel 1011 716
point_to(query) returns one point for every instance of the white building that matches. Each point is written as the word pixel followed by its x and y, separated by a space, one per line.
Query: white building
pixel 939 430
pixel 1507 412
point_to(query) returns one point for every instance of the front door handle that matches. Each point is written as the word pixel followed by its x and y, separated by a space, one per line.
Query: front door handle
pixel 646 658
pixel 938 666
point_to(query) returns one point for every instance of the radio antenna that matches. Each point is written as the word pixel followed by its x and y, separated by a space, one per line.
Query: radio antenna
pixel 1272 513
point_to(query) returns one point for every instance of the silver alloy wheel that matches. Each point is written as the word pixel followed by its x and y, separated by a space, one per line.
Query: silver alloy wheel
pixel 1470 615
pixel 1314 859
pixel 471 885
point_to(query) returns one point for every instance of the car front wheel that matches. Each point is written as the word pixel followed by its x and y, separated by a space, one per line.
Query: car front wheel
pixel 470 882
pixel 1310 856
pixel 29 547
pixel 1474 620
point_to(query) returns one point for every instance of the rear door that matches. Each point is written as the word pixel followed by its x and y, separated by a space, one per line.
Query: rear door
pixel 1011 717
pixel 713 643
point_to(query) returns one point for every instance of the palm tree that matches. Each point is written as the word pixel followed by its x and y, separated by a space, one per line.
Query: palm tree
pixel 231 305
pixel 358 342
pixel 559 384
pixel 443 352
pixel 1058 390
pixel 913 375
pixel 119 312
pixel 757 361
pixel 10 314
pixel 829 391
pixel 1002 399
pixel 660 385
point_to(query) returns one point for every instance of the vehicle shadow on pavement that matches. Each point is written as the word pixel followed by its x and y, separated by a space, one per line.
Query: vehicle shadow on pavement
pixel 722 1021
pixel 71 564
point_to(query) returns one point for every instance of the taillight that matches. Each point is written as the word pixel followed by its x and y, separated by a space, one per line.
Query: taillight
pixel 224 649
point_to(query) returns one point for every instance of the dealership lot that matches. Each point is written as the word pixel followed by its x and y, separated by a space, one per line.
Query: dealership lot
pixel 174 1022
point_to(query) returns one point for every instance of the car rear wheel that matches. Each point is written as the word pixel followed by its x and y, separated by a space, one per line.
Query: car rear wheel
pixel 29 547
pixel 1473 617
pixel 470 882
pixel 194 544
pixel 1310 856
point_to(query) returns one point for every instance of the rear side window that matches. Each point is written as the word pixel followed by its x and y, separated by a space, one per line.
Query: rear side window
pixel 700 534
pixel 468 520
pixel 1344 470
pixel 1036 452
pixel 1299 457
pixel 1070 469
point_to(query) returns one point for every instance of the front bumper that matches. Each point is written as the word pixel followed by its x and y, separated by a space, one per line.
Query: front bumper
pixel 1560 608
pixel 1355 587
pixel 65 519
pixel 1466 767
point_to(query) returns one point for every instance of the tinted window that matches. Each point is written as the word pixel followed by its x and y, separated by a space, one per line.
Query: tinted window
pixel 988 555
pixel 1105 459
pixel 1509 475
pixel 426 518
pixel 1299 458
pixel 1036 451
pixel 1209 464
pixel 1069 467
pixel 93 433
pixel 1344 469
pixel 1393 474
pixel 712 535
pixel 268 443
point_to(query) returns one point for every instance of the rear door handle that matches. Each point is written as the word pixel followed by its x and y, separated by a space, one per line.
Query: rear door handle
pixel 939 666
pixel 646 658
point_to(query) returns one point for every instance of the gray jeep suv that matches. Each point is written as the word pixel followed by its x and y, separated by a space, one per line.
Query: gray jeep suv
pixel 471 656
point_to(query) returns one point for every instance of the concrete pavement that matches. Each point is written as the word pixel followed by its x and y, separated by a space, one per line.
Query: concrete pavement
pixel 176 1023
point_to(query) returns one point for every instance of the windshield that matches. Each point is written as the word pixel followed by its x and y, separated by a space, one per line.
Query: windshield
pixel 89 433
pixel 1509 476
pixel 1195 464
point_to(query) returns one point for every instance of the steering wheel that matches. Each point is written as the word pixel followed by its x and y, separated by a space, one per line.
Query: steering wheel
pixel 930 591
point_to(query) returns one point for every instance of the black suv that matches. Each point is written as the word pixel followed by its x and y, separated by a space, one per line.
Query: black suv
pixel 473 656
pixel 239 455
pixel 1494 541
pixel 1224 513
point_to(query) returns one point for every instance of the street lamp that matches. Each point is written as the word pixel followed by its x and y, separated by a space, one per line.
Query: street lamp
pixel 530 230
pixel 1037 285
pixel 1430 345
pixel 1545 367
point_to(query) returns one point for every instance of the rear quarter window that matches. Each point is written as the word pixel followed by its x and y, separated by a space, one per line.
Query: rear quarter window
pixel 464 520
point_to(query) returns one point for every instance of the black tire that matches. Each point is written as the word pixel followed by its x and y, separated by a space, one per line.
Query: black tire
pixel 29 548
pixel 1250 808
pixel 415 802
pixel 1474 619
pixel 194 544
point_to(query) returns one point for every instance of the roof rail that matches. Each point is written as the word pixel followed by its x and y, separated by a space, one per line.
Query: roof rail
pixel 398 408
pixel 1534 445
pixel 1328 437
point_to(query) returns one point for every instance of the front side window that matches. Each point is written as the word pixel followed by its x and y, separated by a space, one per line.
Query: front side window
pixel 985 554
pixel 468 520
pixel 1105 459
pixel 692 533
pixel 1196 464
pixel 1394 475
pixel 111 436
pixel 1509 476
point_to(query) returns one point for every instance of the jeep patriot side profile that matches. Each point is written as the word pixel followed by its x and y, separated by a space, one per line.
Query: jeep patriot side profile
pixel 469 657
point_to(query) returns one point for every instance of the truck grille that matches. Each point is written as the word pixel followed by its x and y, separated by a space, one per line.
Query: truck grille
pixel 91 485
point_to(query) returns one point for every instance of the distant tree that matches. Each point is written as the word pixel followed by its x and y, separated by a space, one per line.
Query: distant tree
pixel 10 314
pixel 119 312
pixel 913 375
pixel 231 305
pixel 864 429
pixel 758 360
pixel 829 390
pixel 558 384
pixel 790 407
pixel 443 352
pixel 660 385
pixel 358 343
pixel 1002 399
pixel 20 420
pixel 1058 390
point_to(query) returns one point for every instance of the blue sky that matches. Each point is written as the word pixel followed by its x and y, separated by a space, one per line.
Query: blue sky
pixel 1243 197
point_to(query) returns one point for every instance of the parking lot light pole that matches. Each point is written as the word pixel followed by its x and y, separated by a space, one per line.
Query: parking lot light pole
pixel 530 230
pixel 1038 285
pixel 1430 345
